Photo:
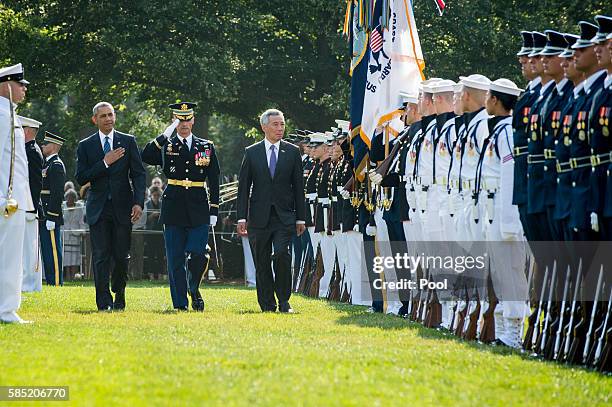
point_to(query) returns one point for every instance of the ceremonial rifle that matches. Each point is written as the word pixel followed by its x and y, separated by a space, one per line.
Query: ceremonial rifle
pixel 487 331
pixel 462 314
pixel 334 290
pixel 530 267
pixel 561 316
pixel 534 319
pixel 579 333
pixel 547 318
pixel 317 275
pixel 568 333
pixel 587 343
pixel 470 333
pixel 602 329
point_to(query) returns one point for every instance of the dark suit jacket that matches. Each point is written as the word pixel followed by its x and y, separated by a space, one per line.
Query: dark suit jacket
pixel 124 179
pixel 35 165
pixel 285 191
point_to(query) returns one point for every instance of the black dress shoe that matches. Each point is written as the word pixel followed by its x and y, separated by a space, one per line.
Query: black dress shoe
pixel 107 308
pixel 119 303
pixel 285 308
pixel 197 302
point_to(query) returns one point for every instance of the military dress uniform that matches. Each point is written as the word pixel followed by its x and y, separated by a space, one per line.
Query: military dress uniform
pixel 607 120
pixel 13 206
pixel 580 148
pixel 191 165
pixel 563 167
pixel 521 132
pixel 52 196
pixel 32 261
pixel 536 206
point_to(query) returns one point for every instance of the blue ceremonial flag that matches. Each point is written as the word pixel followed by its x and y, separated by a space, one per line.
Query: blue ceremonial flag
pixel 358 42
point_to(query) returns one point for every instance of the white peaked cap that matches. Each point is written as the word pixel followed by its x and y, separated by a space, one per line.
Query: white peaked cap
pixel 344 125
pixel 27 122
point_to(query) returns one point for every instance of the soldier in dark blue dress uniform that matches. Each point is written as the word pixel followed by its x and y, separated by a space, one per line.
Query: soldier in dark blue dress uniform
pixel 580 150
pixel 599 132
pixel 607 213
pixel 562 141
pixel 520 125
pixel 188 207
pixel 550 120
pixel 536 208
pixel 52 196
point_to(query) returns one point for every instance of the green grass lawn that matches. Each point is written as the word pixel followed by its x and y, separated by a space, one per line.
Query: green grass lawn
pixel 327 354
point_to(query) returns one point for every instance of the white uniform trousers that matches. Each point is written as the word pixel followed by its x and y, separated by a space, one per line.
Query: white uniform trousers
pixel 32 262
pixel 328 253
pixel 12 231
pixel 356 271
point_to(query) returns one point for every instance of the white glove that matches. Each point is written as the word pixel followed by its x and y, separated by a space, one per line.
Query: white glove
pixel 510 237
pixel 356 228
pixel 376 178
pixel 170 129
pixel 594 222
pixel 30 217
pixel 213 221
pixel 50 225
pixel 371 230
pixel 345 194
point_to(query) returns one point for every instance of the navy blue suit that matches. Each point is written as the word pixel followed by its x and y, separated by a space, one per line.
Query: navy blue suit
pixel 113 192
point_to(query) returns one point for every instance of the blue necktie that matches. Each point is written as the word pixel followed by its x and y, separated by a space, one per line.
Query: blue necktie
pixel 272 160
pixel 107 148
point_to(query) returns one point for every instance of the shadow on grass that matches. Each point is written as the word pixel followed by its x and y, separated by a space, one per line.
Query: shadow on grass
pixel 359 316
pixel 212 285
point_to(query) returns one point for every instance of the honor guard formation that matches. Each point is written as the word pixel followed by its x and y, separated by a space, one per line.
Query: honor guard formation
pixel 475 160
pixel 479 160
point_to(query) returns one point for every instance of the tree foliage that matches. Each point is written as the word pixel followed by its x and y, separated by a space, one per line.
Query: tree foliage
pixel 236 58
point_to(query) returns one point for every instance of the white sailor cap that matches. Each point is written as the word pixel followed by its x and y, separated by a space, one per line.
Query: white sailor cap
pixel 343 125
pixel 505 86
pixel 409 98
pixel 443 86
pixel 27 122
pixel 475 81
pixel 458 88
pixel 425 86
pixel 13 73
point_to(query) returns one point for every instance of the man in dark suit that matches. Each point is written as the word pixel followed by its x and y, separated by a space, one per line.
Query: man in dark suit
pixel 111 162
pixel 273 209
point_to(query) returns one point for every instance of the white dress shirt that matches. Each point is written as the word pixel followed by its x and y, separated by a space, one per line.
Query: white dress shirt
pixel 189 140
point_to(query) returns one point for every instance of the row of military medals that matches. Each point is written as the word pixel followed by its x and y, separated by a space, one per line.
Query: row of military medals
pixel 200 159
pixel 604 114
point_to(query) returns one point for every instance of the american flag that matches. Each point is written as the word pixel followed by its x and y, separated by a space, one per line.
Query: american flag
pixel 507 158
pixel 376 40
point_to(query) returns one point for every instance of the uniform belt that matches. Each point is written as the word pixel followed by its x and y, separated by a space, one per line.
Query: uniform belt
pixel 563 167
pixel 599 159
pixel 406 178
pixel 535 159
pixel 454 183
pixel 187 183
pixel 549 154
pixel 334 199
pixel 442 180
pixel 519 151
pixel 580 162
pixel 45 192
pixel 467 184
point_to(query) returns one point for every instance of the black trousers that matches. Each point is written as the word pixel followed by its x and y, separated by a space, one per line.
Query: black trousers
pixel 278 236
pixel 110 242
